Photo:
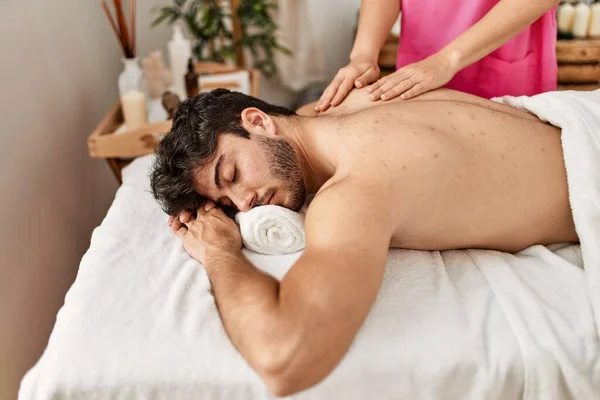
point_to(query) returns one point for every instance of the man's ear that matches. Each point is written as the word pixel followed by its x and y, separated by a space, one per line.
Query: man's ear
pixel 257 122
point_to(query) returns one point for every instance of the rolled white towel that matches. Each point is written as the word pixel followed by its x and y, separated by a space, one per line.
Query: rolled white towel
pixel 272 230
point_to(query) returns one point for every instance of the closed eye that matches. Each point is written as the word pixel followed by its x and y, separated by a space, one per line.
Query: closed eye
pixel 234 175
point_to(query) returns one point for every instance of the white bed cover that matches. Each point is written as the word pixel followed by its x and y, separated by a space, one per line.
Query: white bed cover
pixel 139 322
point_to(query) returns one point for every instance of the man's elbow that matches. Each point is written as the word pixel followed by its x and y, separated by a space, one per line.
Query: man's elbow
pixel 277 372
pixel 284 374
pixel 280 387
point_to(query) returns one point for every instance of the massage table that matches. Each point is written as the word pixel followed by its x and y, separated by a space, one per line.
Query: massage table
pixel 140 321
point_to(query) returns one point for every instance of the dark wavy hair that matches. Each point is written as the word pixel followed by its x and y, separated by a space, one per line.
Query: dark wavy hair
pixel 192 142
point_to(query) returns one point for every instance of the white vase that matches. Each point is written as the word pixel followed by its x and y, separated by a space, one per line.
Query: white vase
pixel 132 93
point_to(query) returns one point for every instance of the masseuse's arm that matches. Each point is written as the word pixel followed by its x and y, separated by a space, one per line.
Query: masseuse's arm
pixel 375 21
pixel 294 332
pixel 502 23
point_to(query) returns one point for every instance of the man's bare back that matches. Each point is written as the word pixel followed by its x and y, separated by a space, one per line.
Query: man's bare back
pixel 452 170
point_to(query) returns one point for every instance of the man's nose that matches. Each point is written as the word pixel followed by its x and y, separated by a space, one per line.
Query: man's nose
pixel 245 202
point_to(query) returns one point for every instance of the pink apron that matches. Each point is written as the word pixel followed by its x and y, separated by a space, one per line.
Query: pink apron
pixel 525 65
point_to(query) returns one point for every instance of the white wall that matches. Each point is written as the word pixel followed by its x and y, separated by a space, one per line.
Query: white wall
pixel 58 69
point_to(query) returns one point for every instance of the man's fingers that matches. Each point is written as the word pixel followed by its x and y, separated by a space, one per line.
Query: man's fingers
pixel 184 216
pixel 209 210
pixel 175 225
pixel 214 211
pixel 342 92
pixel 170 221
pixel 209 205
pixel 200 213
pixel 181 232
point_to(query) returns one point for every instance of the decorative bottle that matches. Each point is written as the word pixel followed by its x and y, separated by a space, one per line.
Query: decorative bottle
pixel 191 80
pixel 594 31
pixel 581 20
pixel 180 51
pixel 565 15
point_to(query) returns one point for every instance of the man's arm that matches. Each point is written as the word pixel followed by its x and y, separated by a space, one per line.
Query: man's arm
pixel 295 332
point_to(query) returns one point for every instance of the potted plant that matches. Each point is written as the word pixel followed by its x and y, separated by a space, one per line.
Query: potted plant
pixel 213 40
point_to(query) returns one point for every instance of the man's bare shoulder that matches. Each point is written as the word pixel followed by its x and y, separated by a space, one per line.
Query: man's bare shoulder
pixel 346 209
pixel 350 190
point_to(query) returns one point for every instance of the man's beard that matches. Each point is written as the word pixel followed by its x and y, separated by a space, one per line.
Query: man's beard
pixel 283 164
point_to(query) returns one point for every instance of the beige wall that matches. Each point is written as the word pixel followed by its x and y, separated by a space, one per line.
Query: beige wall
pixel 335 21
pixel 59 63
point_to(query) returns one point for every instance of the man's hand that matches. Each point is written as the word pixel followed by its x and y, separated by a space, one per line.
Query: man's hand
pixel 414 79
pixel 358 73
pixel 210 234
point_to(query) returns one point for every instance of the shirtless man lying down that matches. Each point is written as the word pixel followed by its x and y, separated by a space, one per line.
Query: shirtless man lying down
pixel 442 171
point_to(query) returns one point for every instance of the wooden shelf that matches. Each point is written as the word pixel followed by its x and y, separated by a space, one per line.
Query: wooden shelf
pixel 580 87
pixel 578 64
pixel 579 73
pixel 578 51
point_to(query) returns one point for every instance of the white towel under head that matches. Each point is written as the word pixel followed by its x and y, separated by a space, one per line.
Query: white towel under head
pixel 272 230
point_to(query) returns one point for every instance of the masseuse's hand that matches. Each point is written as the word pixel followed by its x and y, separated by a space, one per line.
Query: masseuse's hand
pixel 414 79
pixel 359 73
pixel 211 233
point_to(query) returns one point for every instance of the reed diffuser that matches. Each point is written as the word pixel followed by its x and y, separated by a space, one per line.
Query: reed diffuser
pixel 131 81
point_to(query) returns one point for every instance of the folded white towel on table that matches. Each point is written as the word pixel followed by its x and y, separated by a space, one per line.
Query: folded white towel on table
pixel 272 230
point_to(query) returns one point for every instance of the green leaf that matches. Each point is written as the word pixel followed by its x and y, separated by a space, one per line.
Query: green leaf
pixel 195 8
pixel 159 20
pixel 284 50
pixel 169 14
pixel 192 27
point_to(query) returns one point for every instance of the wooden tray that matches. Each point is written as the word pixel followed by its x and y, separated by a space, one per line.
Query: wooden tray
pixel 119 148
pixel 104 142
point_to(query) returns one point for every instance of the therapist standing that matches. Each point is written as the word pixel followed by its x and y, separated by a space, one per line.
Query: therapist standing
pixel 483 47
